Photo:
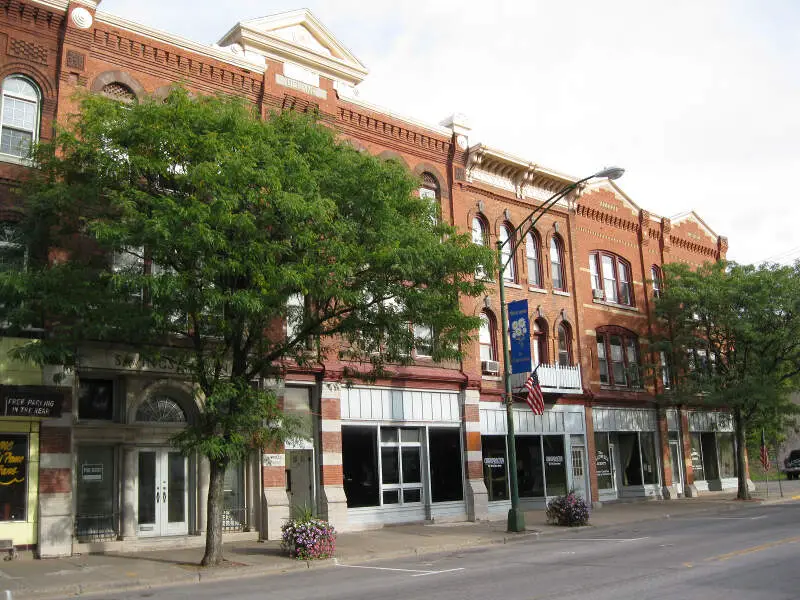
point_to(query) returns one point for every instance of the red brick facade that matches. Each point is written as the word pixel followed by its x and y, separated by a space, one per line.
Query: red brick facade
pixel 65 55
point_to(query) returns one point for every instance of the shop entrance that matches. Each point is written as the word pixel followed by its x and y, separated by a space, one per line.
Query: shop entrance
pixel 163 493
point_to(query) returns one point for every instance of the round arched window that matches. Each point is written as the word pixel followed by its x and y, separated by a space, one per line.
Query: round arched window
pixel 160 409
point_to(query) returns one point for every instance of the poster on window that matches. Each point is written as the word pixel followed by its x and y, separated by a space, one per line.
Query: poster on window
pixel 13 476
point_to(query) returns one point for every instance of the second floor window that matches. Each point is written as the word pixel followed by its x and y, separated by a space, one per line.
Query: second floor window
pixel 509 273
pixel 479 237
pixel 618 357
pixel 486 337
pixel 655 275
pixel 12 247
pixel 19 116
pixel 564 345
pixel 611 275
pixel 430 191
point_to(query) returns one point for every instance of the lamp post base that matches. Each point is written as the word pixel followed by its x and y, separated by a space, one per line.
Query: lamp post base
pixel 516 520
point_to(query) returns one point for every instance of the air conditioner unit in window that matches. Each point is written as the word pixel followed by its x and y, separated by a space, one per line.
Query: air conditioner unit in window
pixel 598 294
pixel 491 367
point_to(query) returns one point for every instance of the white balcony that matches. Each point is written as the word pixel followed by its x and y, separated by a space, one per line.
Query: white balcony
pixel 554 379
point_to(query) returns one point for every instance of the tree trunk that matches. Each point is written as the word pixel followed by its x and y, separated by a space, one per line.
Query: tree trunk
pixel 213 555
pixel 741 449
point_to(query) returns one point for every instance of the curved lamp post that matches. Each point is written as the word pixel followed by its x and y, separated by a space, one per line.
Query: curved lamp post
pixel 516 519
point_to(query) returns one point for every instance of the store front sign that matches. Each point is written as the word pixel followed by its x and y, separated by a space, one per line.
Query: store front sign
pixel 23 401
pixel 494 462
pixel 554 461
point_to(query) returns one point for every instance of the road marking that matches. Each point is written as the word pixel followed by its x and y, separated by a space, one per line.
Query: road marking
pixel 604 539
pixel 438 572
pixel 752 549
pixel 418 572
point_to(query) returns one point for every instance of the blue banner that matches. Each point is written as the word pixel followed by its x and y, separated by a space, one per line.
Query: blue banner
pixel 519 330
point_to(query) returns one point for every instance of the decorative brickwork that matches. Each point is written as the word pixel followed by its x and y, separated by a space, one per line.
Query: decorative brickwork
pixel 28 51
pixel 75 60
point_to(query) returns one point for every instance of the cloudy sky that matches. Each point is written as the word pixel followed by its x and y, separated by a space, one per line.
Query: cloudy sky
pixel 698 100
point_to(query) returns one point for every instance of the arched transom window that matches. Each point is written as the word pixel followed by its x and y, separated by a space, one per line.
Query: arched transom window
pixel 160 409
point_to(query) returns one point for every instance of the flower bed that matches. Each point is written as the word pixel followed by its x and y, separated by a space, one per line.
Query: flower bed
pixel 569 511
pixel 308 538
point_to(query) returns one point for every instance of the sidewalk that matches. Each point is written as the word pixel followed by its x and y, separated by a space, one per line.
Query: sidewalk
pixel 28 578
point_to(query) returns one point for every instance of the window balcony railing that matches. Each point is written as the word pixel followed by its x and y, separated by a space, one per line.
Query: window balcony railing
pixel 554 379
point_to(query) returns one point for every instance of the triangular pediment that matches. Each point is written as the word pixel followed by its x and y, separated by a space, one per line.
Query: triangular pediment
pixel 611 198
pixel 692 218
pixel 299 37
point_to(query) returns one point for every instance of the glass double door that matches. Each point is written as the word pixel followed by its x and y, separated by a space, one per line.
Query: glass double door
pixel 163 493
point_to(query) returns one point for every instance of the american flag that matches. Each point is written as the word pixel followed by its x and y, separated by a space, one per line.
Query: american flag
pixel 764 452
pixel 534 396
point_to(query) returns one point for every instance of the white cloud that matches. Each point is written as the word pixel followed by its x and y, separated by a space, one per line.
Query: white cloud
pixel 697 100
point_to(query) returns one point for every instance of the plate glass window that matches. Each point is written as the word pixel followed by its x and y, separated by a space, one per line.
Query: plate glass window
pixel 534 262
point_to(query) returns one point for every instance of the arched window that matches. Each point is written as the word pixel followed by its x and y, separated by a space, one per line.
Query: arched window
pixel 429 190
pixel 564 345
pixel 119 92
pixel 20 109
pixel 160 409
pixel 486 337
pixel 534 262
pixel 618 357
pixel 557 263
pixel 509 271
pixel 539 342
pixel 12 247
pixel 655 274
pixel 481 238
pixel 611 278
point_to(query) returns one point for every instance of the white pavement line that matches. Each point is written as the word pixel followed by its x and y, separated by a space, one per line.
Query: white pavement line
pixel 387 569
pixel 604 539
pixel 438 572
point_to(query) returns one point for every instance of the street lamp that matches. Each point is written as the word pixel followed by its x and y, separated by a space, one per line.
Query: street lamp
pixel 516 519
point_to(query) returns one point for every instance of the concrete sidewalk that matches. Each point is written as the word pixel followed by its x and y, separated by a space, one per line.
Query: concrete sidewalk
pixel 28 578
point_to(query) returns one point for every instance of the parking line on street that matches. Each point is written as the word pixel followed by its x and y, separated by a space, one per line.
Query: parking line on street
pixel 604 539
pixel 417 572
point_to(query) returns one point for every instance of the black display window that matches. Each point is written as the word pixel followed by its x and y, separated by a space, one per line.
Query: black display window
pixel 444 449
pixel 360 466
pixel 494 466
pixel 96 399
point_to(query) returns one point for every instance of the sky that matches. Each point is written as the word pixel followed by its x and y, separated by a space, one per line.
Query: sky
pixel 698 100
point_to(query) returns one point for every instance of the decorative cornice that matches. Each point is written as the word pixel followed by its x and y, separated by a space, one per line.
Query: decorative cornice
pixel 386 129
pixel 601 216
pixel 177 41
pixel 506 171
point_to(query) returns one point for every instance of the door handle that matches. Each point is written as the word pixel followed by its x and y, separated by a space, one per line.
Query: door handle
pixel 156 495
pixel 164 496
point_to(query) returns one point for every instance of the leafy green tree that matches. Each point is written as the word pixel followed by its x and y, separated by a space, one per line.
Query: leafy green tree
pixel 732 337
pixel 194 230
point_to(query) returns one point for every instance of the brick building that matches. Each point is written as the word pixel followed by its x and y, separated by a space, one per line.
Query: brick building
pixel 426 444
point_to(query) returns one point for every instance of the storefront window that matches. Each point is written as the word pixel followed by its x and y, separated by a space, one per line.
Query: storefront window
pixel 555 465
pixel 649 462
pixel 530 474
pixel 444 449
pixel 727 455
pixel 603 462
pixel 697 457
pixel 95 518
pixel 360 466
pixel 13 476
pixel 494 466
pixel 629 459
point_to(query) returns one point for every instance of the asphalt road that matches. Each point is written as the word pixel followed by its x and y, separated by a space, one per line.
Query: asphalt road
pixel 748 554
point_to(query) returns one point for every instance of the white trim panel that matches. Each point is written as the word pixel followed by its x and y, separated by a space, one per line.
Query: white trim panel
pixel 392 404
pixel 624 419
pixel 557 419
